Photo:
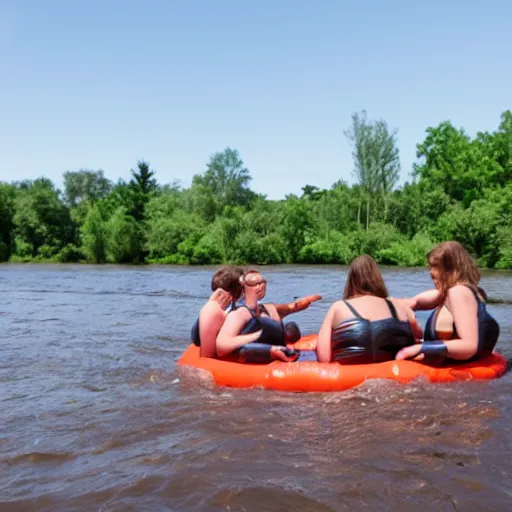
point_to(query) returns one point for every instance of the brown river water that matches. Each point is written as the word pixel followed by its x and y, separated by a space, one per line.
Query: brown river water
pixel 95 415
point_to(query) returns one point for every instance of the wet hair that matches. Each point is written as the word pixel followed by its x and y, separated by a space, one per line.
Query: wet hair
pixel 228 278
pixel 455 265
pixel 364 278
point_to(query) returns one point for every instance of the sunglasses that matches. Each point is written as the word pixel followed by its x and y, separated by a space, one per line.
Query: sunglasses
pixel 263 281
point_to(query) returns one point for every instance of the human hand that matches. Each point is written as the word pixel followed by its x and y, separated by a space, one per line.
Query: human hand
pixel 299 305
pixel 284 354
pixel 305 302
pixel 221 297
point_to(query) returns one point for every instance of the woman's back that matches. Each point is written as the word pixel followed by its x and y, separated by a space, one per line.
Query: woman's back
pixel 366 327
pixel 369 329
pixel 368 307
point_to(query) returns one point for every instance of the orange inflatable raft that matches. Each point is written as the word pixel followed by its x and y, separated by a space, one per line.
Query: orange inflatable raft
pixel 321 377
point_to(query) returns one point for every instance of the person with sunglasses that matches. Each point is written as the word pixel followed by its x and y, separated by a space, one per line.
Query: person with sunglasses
pixel 227 289
pixel 279 311
pixel 253 317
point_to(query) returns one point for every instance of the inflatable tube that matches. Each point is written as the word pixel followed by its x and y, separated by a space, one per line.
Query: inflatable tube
pixel 311 376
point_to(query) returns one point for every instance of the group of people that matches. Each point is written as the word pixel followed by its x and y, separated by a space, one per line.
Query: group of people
pixel 366 326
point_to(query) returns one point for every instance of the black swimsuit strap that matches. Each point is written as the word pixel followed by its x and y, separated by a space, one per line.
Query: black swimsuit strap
pixel 263 309
pixel 253 313
pixel 478 299
pixel 391 308
pixel 352 309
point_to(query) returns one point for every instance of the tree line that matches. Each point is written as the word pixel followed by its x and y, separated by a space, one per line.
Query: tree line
pixel 461 189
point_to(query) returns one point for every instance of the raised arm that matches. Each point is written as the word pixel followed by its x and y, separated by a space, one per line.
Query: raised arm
pixel 299 305
pixel 428 299
pixel 211 317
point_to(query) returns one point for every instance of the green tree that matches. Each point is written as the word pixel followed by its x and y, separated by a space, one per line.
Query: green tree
pixel 166 234
pixel 376 158
pixel 312 192
pixel 224 183
pixel 141 188
pixel 7 209
pixel 85 186
pixel 497 148
pixel 336 209
pixel 94 235
pixel 297 225
pixel 452 161
pixel 41 219
pixel 417 206
pixel 124 241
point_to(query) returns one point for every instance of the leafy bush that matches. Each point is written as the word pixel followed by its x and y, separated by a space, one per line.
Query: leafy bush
pixel 70 254
pixel 407 253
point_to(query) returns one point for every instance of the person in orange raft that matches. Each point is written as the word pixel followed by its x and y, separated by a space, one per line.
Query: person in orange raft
pixel 227 289
pixel 366 326
pixel 460 326
pixel 227 286
pixel 265 319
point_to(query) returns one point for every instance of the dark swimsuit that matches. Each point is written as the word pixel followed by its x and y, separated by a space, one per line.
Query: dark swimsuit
pixel 361 341
pixel 194 333
pixel 488 328
pixel 272 330
pixel 273 333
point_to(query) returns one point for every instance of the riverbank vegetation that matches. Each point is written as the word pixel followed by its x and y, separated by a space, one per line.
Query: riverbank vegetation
pixel 461 189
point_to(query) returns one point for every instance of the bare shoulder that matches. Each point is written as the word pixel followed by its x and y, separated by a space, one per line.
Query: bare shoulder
pixel 339 305
pixel 460 296
pixel 459 291
pixel 211 311
pixel 241 313
pixel 403 303
pixel 339 311
pixel 400 304
pixel 403 308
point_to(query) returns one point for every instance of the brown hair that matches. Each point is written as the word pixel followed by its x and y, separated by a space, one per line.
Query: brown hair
pixel 364 278
pixel 228 278
pixel 455 265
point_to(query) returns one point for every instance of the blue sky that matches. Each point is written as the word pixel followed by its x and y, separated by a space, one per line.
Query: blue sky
pixel 102 84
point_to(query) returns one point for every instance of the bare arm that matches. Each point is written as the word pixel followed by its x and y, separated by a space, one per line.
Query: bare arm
pixel 299 305
pixel 229 337
pixel 323 345
pixel 463 306
pixel 405 307
pixel 415 326
pixel 428 299
pixel 211 318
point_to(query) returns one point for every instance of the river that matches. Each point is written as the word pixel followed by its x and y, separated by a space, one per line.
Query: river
pixel 96 416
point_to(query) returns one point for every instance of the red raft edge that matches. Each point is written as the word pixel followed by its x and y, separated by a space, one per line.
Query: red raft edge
pixel 312 376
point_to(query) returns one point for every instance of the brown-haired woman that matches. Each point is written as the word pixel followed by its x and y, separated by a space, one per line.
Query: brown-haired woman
pixel 253 317
pixel 460 326
pixel 227 289
pixel 366 326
